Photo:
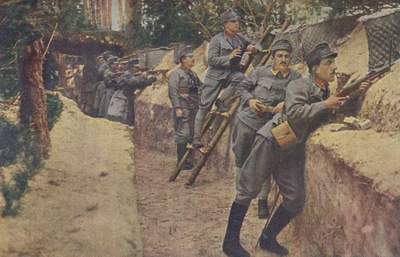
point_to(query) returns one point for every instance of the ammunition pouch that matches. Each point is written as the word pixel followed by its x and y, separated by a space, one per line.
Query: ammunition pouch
pixel 184 91
pixel 284 135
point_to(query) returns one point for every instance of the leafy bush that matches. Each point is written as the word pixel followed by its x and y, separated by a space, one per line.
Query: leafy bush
pixel 11 142
pixel 14 142
pixel 54 109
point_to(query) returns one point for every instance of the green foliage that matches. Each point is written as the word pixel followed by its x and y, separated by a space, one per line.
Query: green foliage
pixel 11 142
pixel 18 185
pixel 54 109
pixel 14 34
pixel 70 16
pixel 16 144
pixel 160 22
pixel 21 23
pixel 18 141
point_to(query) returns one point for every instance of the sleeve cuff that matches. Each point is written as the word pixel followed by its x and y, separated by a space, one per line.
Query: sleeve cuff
pixel 246 98
pixel 320 106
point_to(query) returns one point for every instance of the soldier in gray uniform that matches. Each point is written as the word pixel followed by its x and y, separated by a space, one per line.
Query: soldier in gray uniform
pixel 224 53
pixel 183 91
pixel 102 66
pixel 266 86
pixel 307 104
pixel 130 83
pixel 110 80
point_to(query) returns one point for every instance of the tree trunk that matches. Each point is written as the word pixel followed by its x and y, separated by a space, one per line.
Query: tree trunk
pixel 33 108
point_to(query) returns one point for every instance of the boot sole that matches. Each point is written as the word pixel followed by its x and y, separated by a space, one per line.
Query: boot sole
pixel 270 251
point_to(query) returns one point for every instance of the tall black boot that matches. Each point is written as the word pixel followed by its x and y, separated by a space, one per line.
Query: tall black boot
pixel 231 245
pixel 279 221
pixel 180 152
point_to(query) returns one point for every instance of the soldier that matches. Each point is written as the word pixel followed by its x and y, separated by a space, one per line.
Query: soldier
pixel 307 103
pixel 130 83
pixel 125 86
pixel 183 91
pixel 102 66
pixel 110 82
pixel 266 86
pixel 224 55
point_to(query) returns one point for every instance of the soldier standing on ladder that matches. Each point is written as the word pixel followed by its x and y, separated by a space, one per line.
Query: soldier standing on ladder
pixel 224 53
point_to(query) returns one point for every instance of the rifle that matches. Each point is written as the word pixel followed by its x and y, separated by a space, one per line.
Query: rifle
pixel 152 72
pixel 161 71
pixel 372 76
pixel 247 58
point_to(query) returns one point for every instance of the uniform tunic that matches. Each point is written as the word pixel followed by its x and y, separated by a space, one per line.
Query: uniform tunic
pixel 267 86
pixel 222 71
pixel 183 91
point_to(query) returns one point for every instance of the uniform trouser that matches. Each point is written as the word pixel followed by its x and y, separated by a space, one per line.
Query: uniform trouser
pixel 242 140
pixel 287 169
pixel 184 126
pixel 209 94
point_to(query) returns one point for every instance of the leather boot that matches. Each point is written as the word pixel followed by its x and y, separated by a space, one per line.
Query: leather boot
pixel 279 221
pixel 263 212
pixel 231 245
pixel 180 152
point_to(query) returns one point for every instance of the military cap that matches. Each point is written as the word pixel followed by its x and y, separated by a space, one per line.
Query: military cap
pixel 319 52
pixel 123 61
pixel 183 52
pixel 134 61
pixel 229 15
pixel 100 57
pixel 281 44
pixel 107 54
pixel 112 59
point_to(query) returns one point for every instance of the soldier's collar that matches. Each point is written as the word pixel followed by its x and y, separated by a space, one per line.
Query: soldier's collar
pixel 322 84
pixel 184 68
pixel 229 35
pixel 277 72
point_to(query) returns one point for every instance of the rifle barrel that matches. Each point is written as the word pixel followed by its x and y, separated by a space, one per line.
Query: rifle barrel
pixel 371 76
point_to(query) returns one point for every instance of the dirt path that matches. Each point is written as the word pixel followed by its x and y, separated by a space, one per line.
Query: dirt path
pixel 83 202
pixel 187 222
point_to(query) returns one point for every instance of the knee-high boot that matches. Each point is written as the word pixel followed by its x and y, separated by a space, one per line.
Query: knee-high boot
pixel 231 245
pixel 279 221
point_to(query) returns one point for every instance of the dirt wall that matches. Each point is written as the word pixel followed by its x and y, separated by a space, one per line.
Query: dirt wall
pixel 352 196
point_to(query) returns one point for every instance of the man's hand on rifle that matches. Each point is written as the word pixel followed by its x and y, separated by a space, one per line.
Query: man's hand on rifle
pixel 151 78
pixel 364 86
pixel 255 105
pixel 235 53
pixel 278 108
pixel 251 48
pixel 179 113
pixel 334 102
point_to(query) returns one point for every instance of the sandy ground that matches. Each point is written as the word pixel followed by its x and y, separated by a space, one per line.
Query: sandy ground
pixel 83 202
pixel 179 221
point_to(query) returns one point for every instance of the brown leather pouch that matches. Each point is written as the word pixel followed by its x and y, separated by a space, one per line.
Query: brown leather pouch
pixel 183 91
pixel 284 135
